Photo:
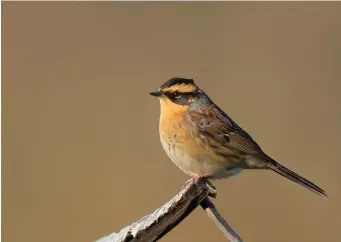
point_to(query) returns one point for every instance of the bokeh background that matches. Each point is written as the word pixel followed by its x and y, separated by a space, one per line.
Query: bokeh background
pixel 81 152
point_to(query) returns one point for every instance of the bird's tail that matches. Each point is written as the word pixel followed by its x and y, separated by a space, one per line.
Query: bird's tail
pixel 278 168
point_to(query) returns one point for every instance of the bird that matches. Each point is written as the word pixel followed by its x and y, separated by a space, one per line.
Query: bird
pixel 204 142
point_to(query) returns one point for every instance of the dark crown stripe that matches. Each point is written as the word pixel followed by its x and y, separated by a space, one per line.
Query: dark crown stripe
pixel 177 81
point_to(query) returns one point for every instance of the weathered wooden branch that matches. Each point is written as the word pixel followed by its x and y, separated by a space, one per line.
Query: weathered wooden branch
pixel 154 226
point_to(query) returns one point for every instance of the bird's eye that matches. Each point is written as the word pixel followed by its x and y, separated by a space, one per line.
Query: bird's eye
pixel 177 95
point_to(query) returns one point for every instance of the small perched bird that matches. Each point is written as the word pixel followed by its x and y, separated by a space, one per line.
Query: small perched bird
pixel 204 142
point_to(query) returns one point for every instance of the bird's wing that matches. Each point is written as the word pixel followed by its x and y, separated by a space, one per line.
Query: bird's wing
pixel 219 128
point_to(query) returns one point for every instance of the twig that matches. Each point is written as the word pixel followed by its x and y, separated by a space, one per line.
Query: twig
pixel 213 213
pixel 154 226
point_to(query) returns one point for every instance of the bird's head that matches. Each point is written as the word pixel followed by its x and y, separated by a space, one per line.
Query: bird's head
pixel 180 92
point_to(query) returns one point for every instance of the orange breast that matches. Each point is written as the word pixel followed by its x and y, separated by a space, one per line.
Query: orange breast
pixel 184 145
pixel 174 123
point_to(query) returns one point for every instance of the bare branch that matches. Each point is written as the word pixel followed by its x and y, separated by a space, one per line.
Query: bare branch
pixel 213 213
pixel 154 226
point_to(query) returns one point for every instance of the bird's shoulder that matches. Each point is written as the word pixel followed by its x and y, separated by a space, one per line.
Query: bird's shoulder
pixel 214 124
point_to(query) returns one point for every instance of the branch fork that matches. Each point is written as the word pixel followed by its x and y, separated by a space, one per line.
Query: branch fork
pixel 154 226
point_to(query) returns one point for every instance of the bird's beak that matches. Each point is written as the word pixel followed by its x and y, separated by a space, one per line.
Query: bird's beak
pixel 156 94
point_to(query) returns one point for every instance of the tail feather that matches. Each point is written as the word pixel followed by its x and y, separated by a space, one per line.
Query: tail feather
pixel 278 168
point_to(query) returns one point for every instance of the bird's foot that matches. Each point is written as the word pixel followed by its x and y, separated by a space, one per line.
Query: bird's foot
pixel 203 181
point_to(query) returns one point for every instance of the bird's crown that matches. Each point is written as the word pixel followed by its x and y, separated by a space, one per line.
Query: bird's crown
pixel 180 85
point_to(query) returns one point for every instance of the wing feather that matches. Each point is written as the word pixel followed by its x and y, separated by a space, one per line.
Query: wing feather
pixel 219 128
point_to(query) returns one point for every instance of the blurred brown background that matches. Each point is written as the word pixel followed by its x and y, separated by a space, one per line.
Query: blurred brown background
pixel 81 152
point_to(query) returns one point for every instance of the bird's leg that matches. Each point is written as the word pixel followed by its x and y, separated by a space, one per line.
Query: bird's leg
pixel 189 181
pixel 212 192
pixel 202 180
pixel 194 179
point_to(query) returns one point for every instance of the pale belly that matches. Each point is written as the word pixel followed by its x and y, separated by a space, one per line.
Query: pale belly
pixel 197 164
